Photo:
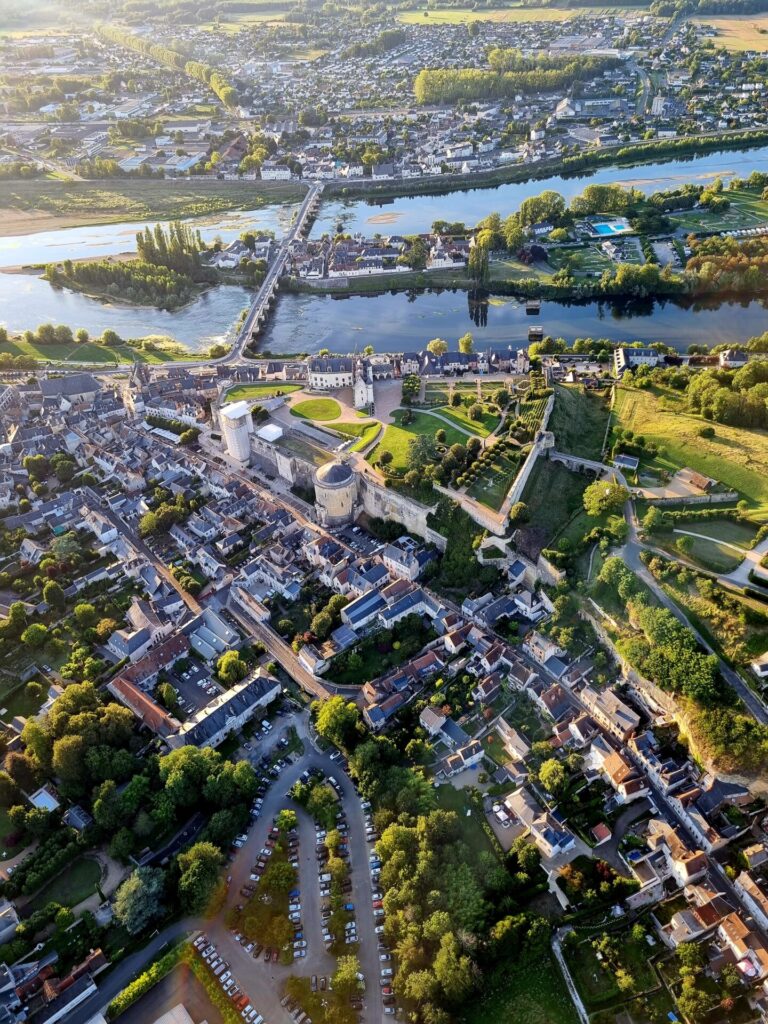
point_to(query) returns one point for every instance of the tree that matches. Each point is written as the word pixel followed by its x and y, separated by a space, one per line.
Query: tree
pixel 345 978
pixel 475 412
pixel 466 343
pixel 231 668
pixel 138 900
pixel 385 458
pixel 22 770
pixel 199 875
pixel 453 971
pixel 653 520
pixel 604 497
pixel 692 1001
pixel 552 775
pixel 287 820
pixel 321 625
pixel 53 595
pixel 691 955
pixel 85 615
pixel 338 721
pixel 323 805
pixel 518 513
pixel 35 636
pixel 69 760
pixel 422 451
pixel 437 346
pixel 9 792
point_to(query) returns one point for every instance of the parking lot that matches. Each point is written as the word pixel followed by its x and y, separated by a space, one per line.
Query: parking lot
pixel 364 921
pixel 194 686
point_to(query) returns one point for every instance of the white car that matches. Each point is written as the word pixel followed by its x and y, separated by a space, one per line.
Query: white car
pixel 379 929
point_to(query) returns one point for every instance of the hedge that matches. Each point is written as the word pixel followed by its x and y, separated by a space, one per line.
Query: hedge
pixel 145 981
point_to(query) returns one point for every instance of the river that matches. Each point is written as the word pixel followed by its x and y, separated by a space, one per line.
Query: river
pixel 405 321
pixel 309 322
pixel 412 214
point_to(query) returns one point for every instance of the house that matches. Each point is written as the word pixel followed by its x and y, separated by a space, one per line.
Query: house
pixel 9 921
pixel 325 373
pixel 487 690
pixel 75 387
pixel 753 890
pixel 431 720
pixel 746 946
pixel 621 774
pixel 732 359
pixel 550 835
pixel 678 860
pixel 610 712
pixel 145 629
pixel 227 713
pixel 147 710
pixel 630 358
pixel 703 915
pixel 514 744
pixel 464 758
pixel 541 649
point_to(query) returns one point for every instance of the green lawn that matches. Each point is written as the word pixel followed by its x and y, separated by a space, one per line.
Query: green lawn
pixel 320 409
pixel 578 421
pixel 460 416
pixel 72 886
pixel 21 703
pixel 736 457
pixel 92 353
pixel 450 799
pixel 493 484
pixel 523 992
pixel 709 554
pixel 364 432
pixel 747 209
pixel 396 437
pixel 552 494
pixel 260 391
pixel 596 981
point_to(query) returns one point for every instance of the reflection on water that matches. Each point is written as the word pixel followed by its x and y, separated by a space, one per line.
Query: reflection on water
pixel 27 301
pixel 406 321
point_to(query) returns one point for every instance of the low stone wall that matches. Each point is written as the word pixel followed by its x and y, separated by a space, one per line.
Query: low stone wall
pixel 719 497
pixel 385 503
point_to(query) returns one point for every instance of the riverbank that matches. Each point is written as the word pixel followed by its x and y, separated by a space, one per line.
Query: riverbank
pixel 93 354
pixel 620 155
pixel 30 207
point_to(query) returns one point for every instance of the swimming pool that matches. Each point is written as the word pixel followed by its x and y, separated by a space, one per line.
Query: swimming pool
pixel 615 228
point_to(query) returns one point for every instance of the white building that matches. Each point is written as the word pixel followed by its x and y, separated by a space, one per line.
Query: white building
pixel 236 425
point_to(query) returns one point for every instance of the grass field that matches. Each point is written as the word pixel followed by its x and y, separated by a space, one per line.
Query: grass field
pixel 524 991
pixel 470 826
pixel 746 210
pixel 578 421
pixel 596 984
pixel 460 15
pixel 72 886
pixel 365 432
pixel 92 353
pixel 396 437
pixel 25 204
pixel 260 391
pixel 552 494
pixel 21 703
pixel 492 485
pixel 740 32
pixel 709 554
pixel 320 409
pixel 460 416
pixel 737 458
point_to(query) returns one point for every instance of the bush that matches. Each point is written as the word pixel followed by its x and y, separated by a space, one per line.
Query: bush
pixel 706 431
pixel 145 981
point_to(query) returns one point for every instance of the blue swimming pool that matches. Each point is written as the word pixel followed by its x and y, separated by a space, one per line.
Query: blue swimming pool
pixel 609 229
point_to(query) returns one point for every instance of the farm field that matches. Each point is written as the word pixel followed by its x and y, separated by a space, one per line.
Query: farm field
pixel 740 32
pixel 735 457
pixel 578 421
pixel 397 437
pixel 461 15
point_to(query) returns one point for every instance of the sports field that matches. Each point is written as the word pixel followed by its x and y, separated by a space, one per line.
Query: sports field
pixel 740 31
pixel 460 15
pixel 747 209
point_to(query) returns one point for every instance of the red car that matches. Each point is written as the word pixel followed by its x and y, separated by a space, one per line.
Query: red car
pixel 377 905
pixel 387 990
pixel 275 955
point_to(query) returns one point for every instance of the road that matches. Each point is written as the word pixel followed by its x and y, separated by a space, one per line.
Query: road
pixel 264 981
pixel 630 555
pixel 134 539
pixel 267 288
pixel 646 88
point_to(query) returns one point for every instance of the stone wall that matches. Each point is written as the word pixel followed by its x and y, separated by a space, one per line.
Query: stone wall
pixel 385 503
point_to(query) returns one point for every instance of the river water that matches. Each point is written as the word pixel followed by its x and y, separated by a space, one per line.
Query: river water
pixel 396 322
pixel 405 321
pixel 412 214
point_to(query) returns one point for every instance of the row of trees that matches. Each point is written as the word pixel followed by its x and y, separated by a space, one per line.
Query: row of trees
pixel 173 59
pixel 468 85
